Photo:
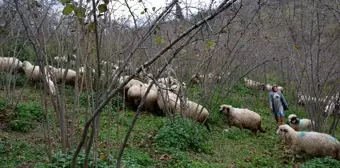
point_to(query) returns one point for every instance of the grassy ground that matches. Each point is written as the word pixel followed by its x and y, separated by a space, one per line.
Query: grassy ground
pixel 155 141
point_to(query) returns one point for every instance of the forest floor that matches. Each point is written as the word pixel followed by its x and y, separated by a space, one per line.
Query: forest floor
pixel 154 142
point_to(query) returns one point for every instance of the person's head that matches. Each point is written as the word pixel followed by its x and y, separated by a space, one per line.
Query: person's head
pixel 274 89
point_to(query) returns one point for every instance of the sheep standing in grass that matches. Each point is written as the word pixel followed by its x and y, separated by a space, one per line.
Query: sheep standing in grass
pixel 173 104
pixel 59 74
pixel 313 143
pixel 300 124
pixel 195 112
pixel 242 118
pixel 136 93
pixel 129 84
pixel 250 84
pixel 11 64
pixel 33 73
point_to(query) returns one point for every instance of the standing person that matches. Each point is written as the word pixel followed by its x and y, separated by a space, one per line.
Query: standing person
pixel 278 105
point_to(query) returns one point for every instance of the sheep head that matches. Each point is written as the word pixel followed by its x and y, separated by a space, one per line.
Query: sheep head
pixel 292 118
pixel 283 130
pixel 225 109
pixel 26 64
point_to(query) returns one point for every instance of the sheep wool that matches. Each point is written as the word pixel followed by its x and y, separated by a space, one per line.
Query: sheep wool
pixel 300 124
pixel 10 64
pixel 313 143
pixel 242 118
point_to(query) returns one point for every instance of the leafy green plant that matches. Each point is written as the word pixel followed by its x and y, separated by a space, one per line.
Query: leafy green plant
pixel 3 104
pixel 326 162
pixel 182 134
pixel 64 160
pixel 136 158
pixel 27 114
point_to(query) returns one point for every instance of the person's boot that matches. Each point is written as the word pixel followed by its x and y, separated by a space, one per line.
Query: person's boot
pixel 282 120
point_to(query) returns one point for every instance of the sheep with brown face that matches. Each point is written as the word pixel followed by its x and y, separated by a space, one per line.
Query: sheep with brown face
pixel 300 124
pixel 313 143
pixel 242 118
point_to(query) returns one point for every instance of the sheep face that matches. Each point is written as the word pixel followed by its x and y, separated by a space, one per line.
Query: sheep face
pixel 293 119
pixel 225 109
pixel 26 64
pixel 283 130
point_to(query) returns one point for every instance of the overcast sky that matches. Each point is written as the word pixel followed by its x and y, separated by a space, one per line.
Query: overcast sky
pixel 120 11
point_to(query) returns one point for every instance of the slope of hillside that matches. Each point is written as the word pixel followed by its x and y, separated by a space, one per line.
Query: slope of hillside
pixel 155 141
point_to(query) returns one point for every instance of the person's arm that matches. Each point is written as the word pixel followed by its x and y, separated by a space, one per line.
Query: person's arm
pixel 284 100
pixel 270 101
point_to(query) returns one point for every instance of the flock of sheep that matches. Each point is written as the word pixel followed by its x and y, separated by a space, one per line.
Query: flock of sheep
pixel 165 98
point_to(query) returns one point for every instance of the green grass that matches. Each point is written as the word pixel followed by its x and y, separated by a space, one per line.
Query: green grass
pixel 156 141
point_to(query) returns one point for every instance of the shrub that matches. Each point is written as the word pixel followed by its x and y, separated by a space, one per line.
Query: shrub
pixel 321 162
pixel 3 104
pixel 64 160
pixel 136 158
pixel 26 115
pixel 182 134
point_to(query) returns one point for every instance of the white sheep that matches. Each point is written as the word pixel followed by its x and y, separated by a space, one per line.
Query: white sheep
pixel 242 118
pixel 313 143
pixel 168 81
pixel 195 112
pixel 330 108
pixel 172 104
pixel 129 84
pixel 34 74
pixel 300 124
pixel 59 74
pixel 10 64
pixel 135 95
pixel 177 88
pixel 168 102
pixel 250 84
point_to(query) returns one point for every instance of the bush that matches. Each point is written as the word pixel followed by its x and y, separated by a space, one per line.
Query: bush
pixel 27 114
pixel 64 160
pixel 182 134
pixel 3 104
pixel 136 158
pixel 321 162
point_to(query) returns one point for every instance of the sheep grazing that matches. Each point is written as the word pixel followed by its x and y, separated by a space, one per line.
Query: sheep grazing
pixel 313 143
pixel 168 102
pixel 135 95
pixel 196 79
pixel 331 108
pixel 33 73
pixel 303 99
pixel 242 118
pixel 168 81
pixel 59 74
pixel 195 112
pixel 11 64
pixel 176 88
pixel 300 124
pixel 250 84
pixel 173 104
pixel 129 84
